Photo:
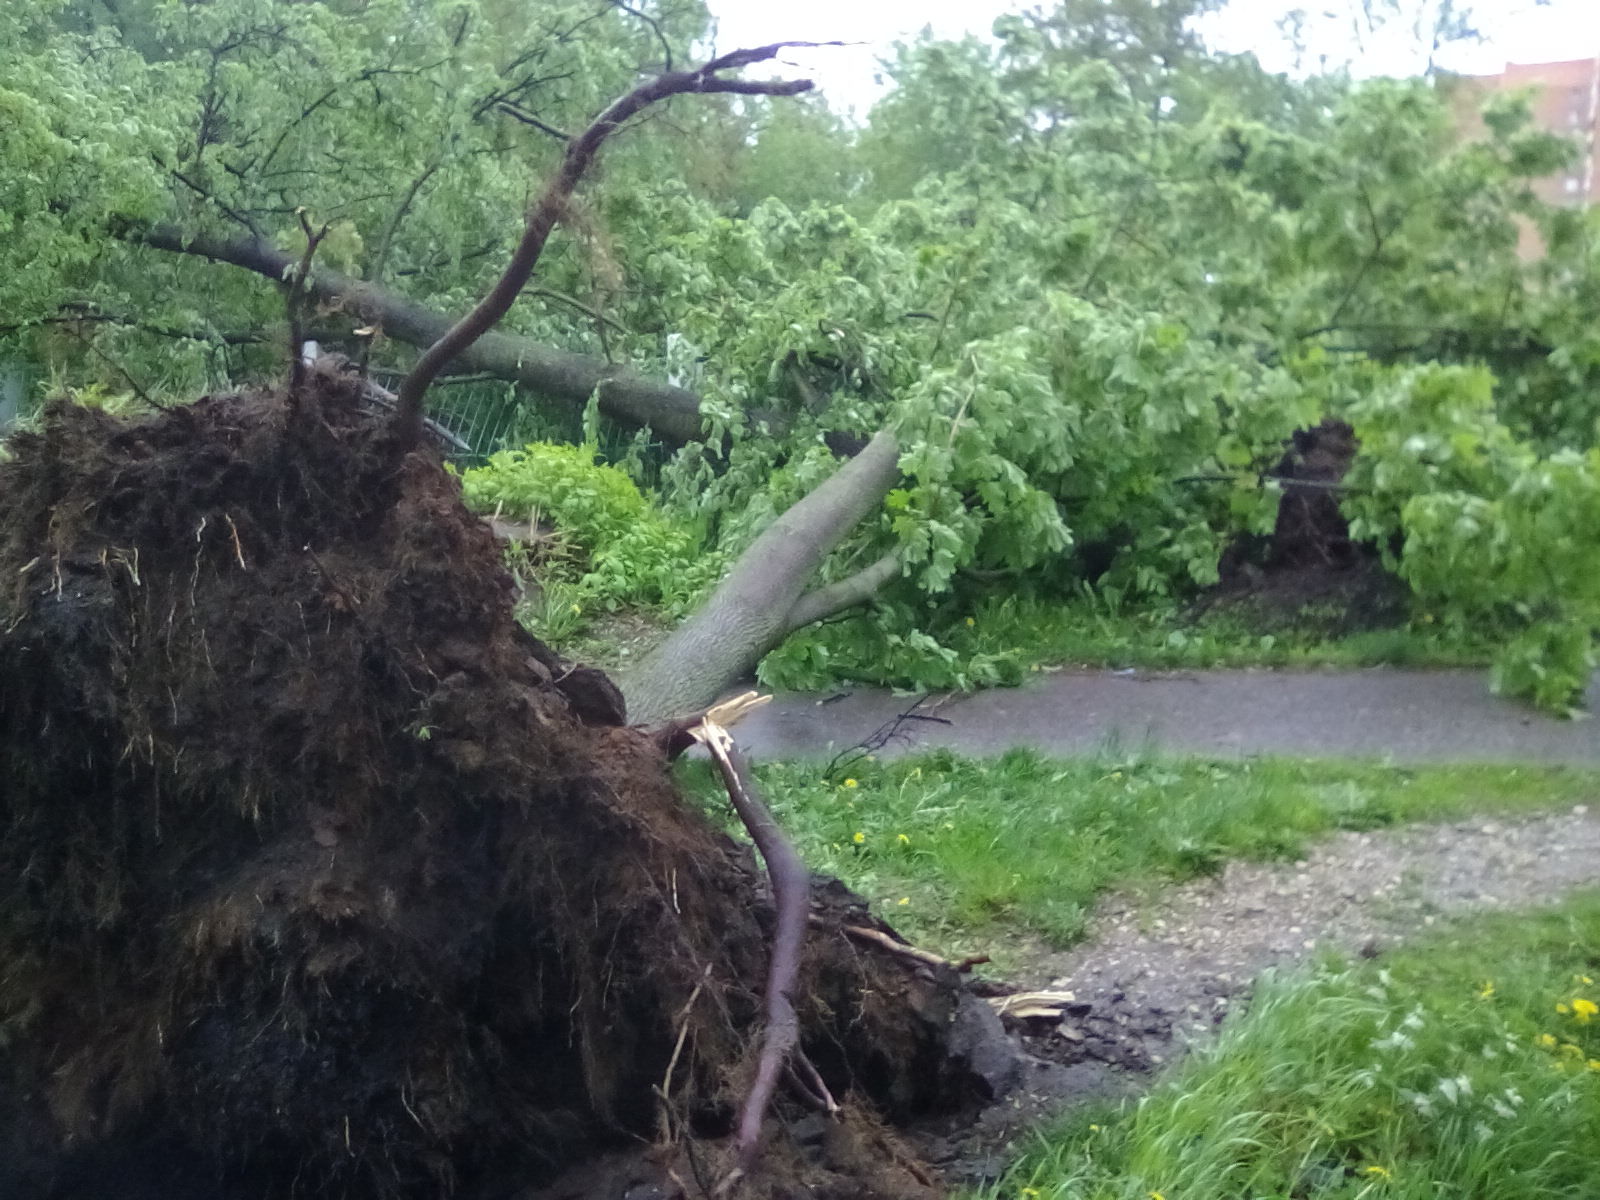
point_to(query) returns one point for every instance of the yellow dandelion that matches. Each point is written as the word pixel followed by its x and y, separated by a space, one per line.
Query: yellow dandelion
pixel 850 783
pixel 1594 1064
pixel 1583 979
pixel 1094 1129
pixel 904 900
pixel 859 837
pixel 1487 990
pixel 1157 1196
pixel 1029 1193
pixel 970 622
pixel 1380 1172
pixel 1584 1010
pixel 903 839
pixel 1547 1040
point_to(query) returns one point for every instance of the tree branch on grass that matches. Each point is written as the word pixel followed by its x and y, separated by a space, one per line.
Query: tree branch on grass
pixel 821 603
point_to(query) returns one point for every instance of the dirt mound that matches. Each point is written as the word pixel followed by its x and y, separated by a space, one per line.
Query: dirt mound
pixel 319 872
pixel 1311 529
pixel 1309 575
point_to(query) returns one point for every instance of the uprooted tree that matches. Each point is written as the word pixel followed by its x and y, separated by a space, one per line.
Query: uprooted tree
pixel 322 876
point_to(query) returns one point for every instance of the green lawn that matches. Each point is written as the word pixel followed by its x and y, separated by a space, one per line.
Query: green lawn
pixel 1465 1067
pixel 958 851
pixel 1086 632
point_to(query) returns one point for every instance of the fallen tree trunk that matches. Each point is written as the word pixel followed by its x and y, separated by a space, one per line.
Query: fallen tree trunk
pixel 764 598
pixel 673 413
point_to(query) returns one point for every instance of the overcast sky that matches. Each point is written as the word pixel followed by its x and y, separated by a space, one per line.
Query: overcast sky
pixel 1518 32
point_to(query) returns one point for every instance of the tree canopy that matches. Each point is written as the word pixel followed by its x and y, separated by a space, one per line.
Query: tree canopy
pixel 1080 270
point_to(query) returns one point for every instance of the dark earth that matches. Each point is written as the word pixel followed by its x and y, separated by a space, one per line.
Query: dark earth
pixel 320 876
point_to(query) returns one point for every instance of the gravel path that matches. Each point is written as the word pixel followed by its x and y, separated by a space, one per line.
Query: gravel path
pixel 1184 953
pixel 1163 970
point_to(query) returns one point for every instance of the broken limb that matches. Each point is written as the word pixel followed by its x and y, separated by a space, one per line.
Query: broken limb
pixel 791 896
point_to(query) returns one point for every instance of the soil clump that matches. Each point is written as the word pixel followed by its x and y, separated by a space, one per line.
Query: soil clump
pixel 320 876
pixel 1309 575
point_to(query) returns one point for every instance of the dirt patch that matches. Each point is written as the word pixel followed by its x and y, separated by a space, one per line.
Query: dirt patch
pixel 320 876
pixel 1309 575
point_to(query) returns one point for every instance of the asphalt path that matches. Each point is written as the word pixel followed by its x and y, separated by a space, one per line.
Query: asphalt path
pixel 1402 716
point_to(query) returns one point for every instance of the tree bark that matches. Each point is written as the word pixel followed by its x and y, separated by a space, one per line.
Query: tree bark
pixel 763 599
pixel 672 413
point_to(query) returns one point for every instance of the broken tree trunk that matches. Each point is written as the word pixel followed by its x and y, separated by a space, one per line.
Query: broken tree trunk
pixel 764 598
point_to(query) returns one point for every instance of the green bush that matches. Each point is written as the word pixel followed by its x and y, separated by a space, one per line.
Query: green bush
pixel 610 548
pixel 1496 536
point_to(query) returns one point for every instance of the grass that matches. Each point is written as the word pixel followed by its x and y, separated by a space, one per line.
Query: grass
pixel 959 852
pixel 1087 632
pixel 1467 1065
pixel 1018 635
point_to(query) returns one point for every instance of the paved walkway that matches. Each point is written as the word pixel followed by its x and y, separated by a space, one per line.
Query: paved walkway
pixel 1400 715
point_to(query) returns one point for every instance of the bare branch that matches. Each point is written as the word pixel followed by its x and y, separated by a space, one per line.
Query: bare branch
pixel 380 261
pixel 74 314
pixel 655 26
pixel 138 389
pixel 294 302
pixel 243 218
pixel 594 314
pixel 791 895
pixel 518 113
pixel 551 207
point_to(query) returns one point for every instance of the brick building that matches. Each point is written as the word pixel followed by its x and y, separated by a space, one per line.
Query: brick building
pixel 1565 101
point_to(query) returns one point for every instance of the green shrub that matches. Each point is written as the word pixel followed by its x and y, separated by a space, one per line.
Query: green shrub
pixel 608 539
pixel 1497 536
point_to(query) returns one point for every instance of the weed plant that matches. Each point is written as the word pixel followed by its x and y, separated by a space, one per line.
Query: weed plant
pixel 1467 1066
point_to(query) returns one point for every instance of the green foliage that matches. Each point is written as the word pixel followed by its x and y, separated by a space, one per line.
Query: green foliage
pixel 1077 269
pixel 1495 535
pixel 604 546
pixel 958 851
pixel 1465 1066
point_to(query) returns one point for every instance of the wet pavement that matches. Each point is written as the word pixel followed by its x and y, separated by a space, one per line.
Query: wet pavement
pixel 1400 715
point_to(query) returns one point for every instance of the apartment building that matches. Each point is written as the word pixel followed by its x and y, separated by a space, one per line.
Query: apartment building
pixel 1565 100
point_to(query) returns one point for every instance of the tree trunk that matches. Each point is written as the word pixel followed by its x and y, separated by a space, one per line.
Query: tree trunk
pixel 672 413
pixel 764 599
